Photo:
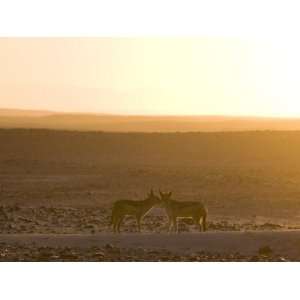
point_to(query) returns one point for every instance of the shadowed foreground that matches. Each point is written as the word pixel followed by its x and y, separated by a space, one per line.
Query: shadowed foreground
pixel 209 246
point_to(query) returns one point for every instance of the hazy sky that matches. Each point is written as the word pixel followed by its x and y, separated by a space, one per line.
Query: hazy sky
pixel 215 76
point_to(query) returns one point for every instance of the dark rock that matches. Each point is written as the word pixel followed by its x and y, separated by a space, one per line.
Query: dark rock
pixel 265 250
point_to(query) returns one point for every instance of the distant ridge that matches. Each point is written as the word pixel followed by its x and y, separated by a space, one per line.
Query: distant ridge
pixel 7 112
pixel 18 118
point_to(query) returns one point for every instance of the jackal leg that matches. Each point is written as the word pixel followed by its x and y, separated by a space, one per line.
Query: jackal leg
pixel 175 224
pixel 114 223
pixel 197 222
pixel 115 227
pixel 119 223
pixel 204 223
pixel 138 220
pixel 171 224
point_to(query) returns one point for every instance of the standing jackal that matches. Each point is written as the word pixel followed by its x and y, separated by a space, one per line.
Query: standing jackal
pixel 186 209
pixel 138 209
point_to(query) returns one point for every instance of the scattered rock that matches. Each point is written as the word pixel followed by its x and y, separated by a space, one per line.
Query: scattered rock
pixel 109 247
pixel 265 250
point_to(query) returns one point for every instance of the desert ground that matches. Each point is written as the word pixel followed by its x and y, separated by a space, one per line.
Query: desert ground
pixel 57 189
pixel 225 246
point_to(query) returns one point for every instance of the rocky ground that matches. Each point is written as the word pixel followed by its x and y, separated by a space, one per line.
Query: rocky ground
pixel 60 183
pixel 63 221
pixel 110 253
pixel 59 221
pixel 66 220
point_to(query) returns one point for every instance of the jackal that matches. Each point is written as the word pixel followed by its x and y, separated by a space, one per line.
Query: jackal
pixel 186 209
pixel 138 209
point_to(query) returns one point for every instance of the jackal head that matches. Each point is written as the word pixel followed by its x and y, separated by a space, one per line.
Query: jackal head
pixel 151 197
pixel 165 197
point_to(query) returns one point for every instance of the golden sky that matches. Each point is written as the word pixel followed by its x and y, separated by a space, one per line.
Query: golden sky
pixel 190 76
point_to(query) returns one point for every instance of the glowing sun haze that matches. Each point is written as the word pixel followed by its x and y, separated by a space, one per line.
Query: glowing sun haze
pixel 178 76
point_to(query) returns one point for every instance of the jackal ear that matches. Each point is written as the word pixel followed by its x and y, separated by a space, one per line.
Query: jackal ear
pixel 170 194
pixel 161 194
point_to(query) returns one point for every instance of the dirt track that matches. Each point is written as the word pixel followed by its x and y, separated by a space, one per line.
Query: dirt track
pixel 283 243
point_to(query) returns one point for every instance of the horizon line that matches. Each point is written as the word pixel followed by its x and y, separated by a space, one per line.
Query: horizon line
pixel 119 114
